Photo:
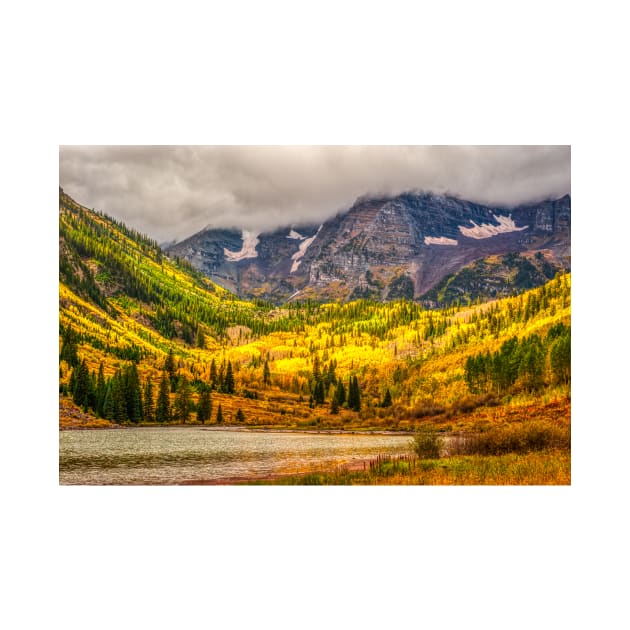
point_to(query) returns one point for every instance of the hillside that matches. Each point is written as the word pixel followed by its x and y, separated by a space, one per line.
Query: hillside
pixel 387 248
pixel 174 346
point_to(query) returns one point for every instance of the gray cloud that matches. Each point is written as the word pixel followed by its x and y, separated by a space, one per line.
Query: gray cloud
pixel 173 192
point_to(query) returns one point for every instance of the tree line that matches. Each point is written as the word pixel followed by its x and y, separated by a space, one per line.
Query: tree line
pixel 531 362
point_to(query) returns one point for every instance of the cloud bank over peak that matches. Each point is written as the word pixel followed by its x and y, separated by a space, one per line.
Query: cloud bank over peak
pixel 171 192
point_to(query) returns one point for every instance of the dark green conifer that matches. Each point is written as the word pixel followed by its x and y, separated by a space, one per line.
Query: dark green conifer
pixel 334 405
pixel 169 364
pixel 266 374
pixel 214 379
pixel 340 393
pixel 148 411
pixel 204 405
pixel 229 379
pixel 100 391
pixel 181 406
pixel 387 399
pixel 163 405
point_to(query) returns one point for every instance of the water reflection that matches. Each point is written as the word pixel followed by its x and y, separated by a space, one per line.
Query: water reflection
pixel 172 455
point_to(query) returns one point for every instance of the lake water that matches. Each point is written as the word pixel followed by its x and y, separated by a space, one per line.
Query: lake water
pixel 174 455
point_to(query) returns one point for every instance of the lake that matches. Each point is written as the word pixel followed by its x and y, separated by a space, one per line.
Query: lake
pixel 177 455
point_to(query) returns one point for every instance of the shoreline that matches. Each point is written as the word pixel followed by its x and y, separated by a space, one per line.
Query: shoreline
pixel 236 429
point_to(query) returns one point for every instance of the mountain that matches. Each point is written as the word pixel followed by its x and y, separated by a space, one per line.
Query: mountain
pixel 386 248
pixel 139 332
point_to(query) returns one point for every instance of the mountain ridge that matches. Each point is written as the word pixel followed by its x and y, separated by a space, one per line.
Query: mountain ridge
pixel 377 241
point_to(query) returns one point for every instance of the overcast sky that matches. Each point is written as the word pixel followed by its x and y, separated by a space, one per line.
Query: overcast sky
pixel 172 192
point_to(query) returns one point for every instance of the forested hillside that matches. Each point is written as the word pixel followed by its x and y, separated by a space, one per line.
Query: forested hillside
pixel 145 338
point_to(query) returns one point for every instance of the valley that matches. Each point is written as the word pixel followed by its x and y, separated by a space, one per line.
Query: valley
pixel 146 339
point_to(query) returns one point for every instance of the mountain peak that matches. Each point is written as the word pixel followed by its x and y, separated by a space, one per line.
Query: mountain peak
pixel 421 235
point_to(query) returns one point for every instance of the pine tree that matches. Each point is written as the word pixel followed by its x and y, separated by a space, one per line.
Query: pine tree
pixel 68 351
pixel 108 402
pixel 119 400
pixel 319 394
pixel 133 396
pixel 181 407
pixel 163 405
pixel 214 380
pixel 149 404
pixel 334 406
pixel 82 390
pixel 221 380
pixel 219 415
pixel 240 416
pixel 354 394
pixel 331 377
pixel 204 406
pixel 100 391
pixel 387 399
pixel 266 374
pixel 340 393
pixel 229 379
pixel 201 339
pixel 169 364
pixel 560 358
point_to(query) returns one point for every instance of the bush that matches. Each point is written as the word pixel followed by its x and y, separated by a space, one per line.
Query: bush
pixel 426 442
pixel 424 410
pixel 516 438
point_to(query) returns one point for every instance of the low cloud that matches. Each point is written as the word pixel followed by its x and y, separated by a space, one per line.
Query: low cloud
pixel 173 192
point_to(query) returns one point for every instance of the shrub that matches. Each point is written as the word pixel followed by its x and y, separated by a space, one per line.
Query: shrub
pixel 516 438
pixel 424 410
pixel 426 442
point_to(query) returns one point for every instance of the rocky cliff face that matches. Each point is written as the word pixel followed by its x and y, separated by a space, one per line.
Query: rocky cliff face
pixel 379 247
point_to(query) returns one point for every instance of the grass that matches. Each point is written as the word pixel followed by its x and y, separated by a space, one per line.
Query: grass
pixel 531 452
pixel 549 467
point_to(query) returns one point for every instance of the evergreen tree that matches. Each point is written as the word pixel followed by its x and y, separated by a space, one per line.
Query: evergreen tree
pixel 201 339
pixel 266 374
pixel 204 406
pixel 149 404
pixel 387 399
pixel 221 383
pixel 229 379
pixel 68 351
pixel 119 400
pixel 240 416
pixel 82 387
pixel 72 382
pixel 163 405
pixel 132 393
pixel 331 377
pixel 560 358
pixel 340 393
pixel 354 394
pixel 319 394
pixel 100 391
pixel 169 364
pixel 108 402
pixel 214 380
pixel 219 415
pixel 531 365
pixel 334 406
pixel 181 407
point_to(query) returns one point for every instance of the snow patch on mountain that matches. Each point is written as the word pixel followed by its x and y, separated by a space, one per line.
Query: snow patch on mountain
pixel 439 240
pixel 296 235
pixel 250 240
pixel 486 230
pixel 304 245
